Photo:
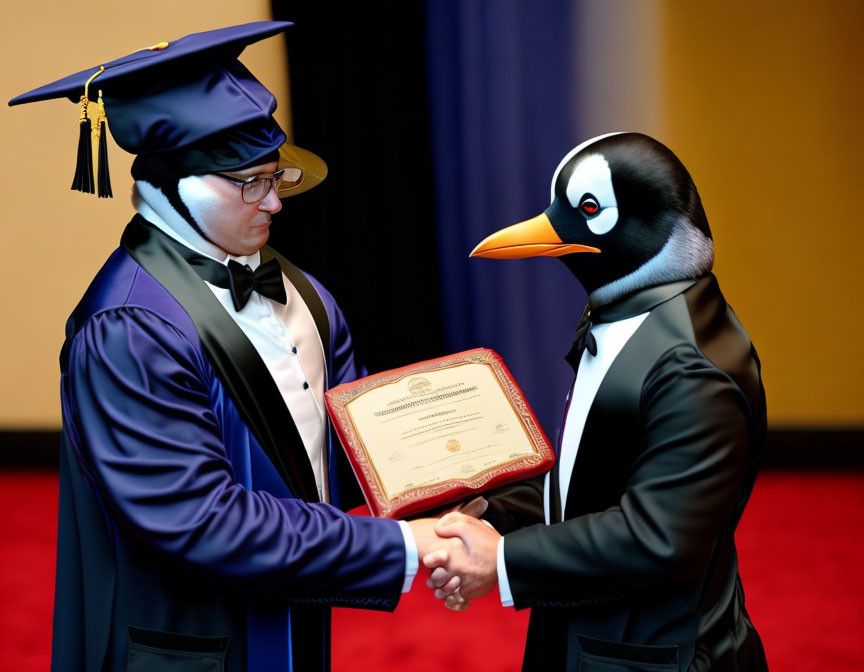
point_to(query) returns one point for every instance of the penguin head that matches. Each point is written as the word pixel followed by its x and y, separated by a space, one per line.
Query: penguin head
pixel 625 214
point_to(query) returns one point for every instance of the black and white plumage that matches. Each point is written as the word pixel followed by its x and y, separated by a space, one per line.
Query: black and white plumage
pixel 635 567
pixel 632 202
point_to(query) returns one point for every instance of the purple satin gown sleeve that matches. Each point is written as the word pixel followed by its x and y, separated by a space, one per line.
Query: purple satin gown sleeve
pixel 138 397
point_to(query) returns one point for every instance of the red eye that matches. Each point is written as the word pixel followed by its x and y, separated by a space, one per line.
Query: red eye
pixel 589 206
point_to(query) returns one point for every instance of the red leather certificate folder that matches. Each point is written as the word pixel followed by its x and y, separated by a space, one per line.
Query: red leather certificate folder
pixel 435 432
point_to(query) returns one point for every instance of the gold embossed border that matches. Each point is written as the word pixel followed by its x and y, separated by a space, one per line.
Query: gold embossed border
pixel 419 499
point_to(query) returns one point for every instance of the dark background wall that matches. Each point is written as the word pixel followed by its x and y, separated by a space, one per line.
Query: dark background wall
pixel 368 232
pixel 440 124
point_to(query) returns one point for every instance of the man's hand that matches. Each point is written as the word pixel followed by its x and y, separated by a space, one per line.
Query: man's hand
pixel 473 568
pixel 475 508
pixel 428 541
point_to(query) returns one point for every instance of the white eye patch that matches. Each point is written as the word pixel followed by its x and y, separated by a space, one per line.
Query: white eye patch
pixel 573 152
pixel 593 176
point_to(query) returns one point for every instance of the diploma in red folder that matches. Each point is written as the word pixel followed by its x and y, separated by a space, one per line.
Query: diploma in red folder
pixel 436 432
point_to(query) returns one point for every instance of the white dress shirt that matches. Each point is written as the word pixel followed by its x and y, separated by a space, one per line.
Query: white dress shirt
pixel 611 338
pixel 288 342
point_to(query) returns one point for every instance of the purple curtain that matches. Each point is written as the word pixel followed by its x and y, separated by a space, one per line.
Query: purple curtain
pixel 503 112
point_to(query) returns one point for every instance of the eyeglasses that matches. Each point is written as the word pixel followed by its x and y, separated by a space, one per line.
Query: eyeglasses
pixel 254 189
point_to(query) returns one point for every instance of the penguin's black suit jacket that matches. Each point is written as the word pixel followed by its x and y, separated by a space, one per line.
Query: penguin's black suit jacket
pixel 640 572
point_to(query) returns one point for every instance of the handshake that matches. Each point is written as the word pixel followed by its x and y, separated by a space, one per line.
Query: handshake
pixel 461 551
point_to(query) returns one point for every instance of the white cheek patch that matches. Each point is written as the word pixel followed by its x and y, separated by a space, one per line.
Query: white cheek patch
pixel 592 175
pixel 604 222
pixel 199 197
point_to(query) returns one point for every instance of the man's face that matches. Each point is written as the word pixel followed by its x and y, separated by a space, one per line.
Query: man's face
pixel 236 227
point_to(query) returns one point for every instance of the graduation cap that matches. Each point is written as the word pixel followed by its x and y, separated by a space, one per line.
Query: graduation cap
pixel 191 98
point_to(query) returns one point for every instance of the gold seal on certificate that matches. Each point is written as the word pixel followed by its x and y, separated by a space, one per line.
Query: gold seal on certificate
pixel 434 432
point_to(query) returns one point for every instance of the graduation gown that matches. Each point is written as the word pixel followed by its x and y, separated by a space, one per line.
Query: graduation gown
pixel 190 535
pixel 639 571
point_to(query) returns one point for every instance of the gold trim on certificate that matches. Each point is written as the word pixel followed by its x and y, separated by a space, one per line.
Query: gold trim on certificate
pixel 427 433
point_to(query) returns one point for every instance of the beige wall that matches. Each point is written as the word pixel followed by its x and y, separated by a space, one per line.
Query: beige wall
pixel 53 239
pixel 764 105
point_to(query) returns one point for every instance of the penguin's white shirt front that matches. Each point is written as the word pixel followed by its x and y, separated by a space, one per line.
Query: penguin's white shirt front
pixel 611 338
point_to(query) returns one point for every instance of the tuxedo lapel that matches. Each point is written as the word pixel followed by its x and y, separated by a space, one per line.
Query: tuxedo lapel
pixel 554 494
pixel 610 438
pixel 236 362
pixel 611 430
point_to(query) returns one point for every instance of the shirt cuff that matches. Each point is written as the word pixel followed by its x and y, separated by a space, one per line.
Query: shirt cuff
pixel 503 583
pixel 411 563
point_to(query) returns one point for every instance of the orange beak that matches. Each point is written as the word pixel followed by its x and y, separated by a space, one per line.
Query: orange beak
pixel 532 238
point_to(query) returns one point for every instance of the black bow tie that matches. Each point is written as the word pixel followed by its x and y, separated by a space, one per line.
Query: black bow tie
pixel 583 339
pixel 241 279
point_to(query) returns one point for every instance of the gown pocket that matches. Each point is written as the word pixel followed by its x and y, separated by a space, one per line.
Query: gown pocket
pixel 600 655
pixel 172 652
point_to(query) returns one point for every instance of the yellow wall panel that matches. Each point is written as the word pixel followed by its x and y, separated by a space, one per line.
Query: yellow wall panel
pixel 763 103
pixel 54 240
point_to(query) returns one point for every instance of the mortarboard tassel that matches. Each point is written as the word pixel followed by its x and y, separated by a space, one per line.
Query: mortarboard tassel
pixel 101 131
pixel 83 180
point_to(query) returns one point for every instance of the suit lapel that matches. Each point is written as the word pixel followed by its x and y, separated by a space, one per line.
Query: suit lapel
pixel 612 432
pixel 611 429
pixel 555 512
pixel 235 360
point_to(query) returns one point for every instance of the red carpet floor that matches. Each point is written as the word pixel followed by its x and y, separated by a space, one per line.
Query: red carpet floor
pixel 801 546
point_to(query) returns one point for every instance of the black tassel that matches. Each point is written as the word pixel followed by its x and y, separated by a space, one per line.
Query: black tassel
pixel 104 174
pixel 83 180
pixel 101 130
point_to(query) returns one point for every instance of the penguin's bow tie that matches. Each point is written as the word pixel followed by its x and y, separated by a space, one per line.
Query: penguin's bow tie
pixel 241 280
pixel 583 340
